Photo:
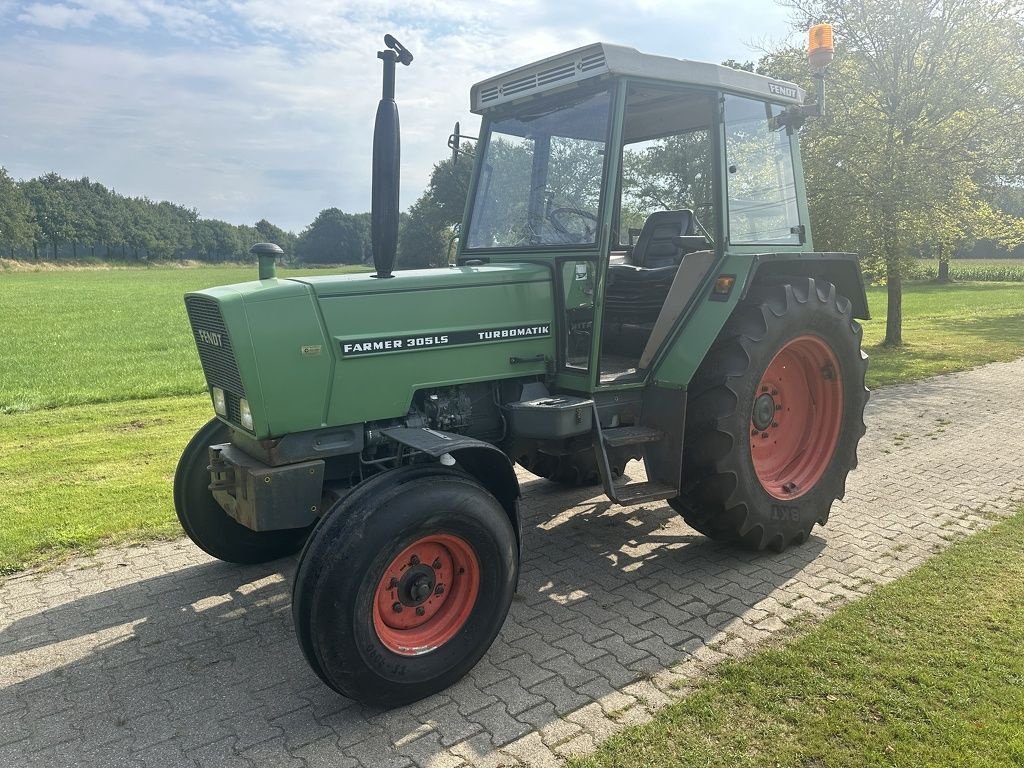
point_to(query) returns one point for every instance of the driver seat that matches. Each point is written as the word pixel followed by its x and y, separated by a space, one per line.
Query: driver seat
pixel 656 245
pixel 636 291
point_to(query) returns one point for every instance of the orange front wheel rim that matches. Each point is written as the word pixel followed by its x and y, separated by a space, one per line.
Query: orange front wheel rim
pixel 426 594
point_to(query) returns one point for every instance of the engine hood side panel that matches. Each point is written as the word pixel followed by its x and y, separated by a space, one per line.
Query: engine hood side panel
pixel 389 345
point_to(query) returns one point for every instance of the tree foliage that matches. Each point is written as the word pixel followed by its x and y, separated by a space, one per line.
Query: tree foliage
pixel 428 231
pixel 53 217
pixel 924 126
pixel 17 226
pixel 335 237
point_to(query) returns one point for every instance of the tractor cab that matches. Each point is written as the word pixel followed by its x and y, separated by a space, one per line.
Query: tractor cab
pixel 633 177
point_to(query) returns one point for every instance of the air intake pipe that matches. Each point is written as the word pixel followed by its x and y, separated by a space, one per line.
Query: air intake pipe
pixel 387 153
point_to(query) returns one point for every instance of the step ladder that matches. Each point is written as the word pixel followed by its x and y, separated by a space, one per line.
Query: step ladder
pixel 662 447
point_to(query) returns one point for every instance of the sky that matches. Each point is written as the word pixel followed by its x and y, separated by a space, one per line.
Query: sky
pixel 251 109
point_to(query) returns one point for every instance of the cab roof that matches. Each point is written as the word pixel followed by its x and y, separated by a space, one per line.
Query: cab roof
pixel 598 60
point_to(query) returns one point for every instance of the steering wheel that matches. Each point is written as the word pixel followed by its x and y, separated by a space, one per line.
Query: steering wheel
pixel 555 217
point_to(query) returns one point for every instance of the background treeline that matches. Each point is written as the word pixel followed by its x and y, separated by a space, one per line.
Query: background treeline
pixel 51 218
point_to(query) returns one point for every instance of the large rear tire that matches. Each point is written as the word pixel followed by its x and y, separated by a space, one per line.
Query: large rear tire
pixel 205 521
pixel 404 585
pixel 775 414
pixel 577 469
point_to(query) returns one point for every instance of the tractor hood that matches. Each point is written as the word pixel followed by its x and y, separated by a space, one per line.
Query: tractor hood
pixel 315 351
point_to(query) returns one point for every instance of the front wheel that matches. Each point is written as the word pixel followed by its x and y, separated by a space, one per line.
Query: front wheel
pixel 774 419
pixel 404 585
pixel 211 528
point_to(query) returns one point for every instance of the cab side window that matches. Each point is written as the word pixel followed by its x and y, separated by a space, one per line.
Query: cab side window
pixel 760 180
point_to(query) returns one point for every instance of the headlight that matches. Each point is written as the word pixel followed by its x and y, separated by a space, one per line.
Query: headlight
pixel 246 414
pixel 220 404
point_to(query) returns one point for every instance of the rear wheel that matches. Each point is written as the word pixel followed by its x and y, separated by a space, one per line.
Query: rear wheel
pixel 774 419
pixel 404 585
pixel 211 528
pixel 577 469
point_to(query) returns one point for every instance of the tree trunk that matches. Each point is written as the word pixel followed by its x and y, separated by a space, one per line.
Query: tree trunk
pixel 943 276
pixel 894 318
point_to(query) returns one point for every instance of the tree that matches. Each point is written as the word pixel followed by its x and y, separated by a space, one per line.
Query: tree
pixel 53 216
pixel 924 123
pixel 17 227
pixel 432 224
pixel 269 233
pixel 335 237
pixel 215 240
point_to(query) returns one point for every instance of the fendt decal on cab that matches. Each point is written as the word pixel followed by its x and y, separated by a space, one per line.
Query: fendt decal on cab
pixel 450 339
pixel 782 90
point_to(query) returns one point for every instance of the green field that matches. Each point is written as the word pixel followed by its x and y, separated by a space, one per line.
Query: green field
pixel 989 270
pixel 92 336
pixel 926 671
pixel 101 387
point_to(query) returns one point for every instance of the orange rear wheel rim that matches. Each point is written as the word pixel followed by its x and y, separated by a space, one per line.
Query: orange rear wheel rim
pixel 796 417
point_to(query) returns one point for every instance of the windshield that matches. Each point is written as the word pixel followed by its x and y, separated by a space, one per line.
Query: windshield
pixel 540 182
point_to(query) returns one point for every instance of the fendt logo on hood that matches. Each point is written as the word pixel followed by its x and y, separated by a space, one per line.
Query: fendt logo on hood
pixel 212 338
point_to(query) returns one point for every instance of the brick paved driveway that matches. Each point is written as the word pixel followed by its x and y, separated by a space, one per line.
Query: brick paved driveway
pixel 159 656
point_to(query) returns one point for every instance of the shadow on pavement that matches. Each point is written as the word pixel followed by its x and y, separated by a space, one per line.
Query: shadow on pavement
pixel 204 657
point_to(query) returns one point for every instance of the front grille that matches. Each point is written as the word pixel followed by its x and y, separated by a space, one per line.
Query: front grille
pixel 215 351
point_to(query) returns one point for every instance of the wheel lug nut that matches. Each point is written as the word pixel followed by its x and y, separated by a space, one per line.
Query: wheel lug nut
pixel 414 560
pixel 439 589
pixel 393 584
pixel 436 565
pixel 397 607
pixel 419 610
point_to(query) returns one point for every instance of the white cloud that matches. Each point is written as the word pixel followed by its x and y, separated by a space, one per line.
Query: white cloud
pixel 57 16
pixel 259 108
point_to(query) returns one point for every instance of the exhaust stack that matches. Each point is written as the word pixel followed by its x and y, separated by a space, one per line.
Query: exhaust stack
pixel 386 163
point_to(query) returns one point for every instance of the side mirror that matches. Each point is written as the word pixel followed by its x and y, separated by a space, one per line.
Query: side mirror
pixel 455 143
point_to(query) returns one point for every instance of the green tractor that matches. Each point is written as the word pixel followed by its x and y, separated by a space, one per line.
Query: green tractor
pixel 635 279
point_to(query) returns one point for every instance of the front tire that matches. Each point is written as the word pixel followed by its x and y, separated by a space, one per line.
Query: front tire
pixel 211 528
pixel 404 585
pixel 774 419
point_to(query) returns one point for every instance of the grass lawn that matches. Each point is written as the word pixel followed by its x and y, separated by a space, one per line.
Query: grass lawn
pixel 73 477
pixel 946 328
pixel 88 336
pixel 926 671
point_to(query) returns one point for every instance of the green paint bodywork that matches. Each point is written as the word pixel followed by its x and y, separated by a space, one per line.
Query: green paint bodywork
pixel 276 326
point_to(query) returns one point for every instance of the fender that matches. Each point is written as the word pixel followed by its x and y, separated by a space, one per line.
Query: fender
pixel 484 461
pixel 840 269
